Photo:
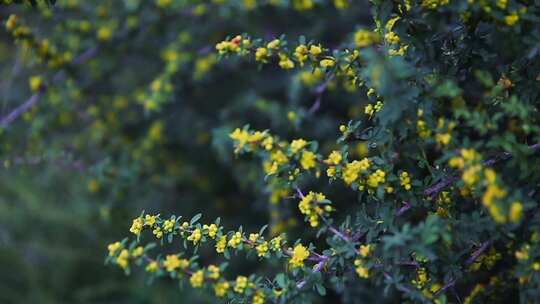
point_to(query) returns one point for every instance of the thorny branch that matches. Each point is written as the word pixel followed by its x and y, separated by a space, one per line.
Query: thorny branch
pixel 18 111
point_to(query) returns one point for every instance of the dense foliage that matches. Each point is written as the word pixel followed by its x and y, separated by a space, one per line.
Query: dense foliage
pixel 270 151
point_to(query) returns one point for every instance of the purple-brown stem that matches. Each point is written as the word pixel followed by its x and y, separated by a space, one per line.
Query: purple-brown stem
pixel 18 111
pixel 435 189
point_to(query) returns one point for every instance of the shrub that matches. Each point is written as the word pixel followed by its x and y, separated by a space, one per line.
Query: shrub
pixel 407 145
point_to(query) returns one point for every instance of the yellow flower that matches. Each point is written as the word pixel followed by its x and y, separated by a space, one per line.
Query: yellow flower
pixel 136 226
pixel 421 278
pixel 241 136
pixel 221 244
pixel 376 178
pixel 262 249
pixel 137 252
pixel 235 240
pixel 150 220
pixel 253 237
pixel 276 243
pixel 443 138
pixel 456 162
pixel 197 278
pixel 511 19
pixel 35 83
pixel 163 3
pixel 113 248
pixel 158 232
pixel 341 4
pixel 297 145
pixel 195 236
pixel 258 297
pixel 470 155
pixel 104 33
pixel 351 170
pixel 285 62
pixel 212 230
pixel 274 44
pixel 302 4
pixel 327 63
pixel 405 180
pixel 152 267
pixel 168 225
pixel 308 160
pixel 516 212
pixel 261 54
pixel 364 38
pixel 301 53
pixel 240 284
pixel 523 253
pixel 213 272
pixel 172 262
pixel 470 176
pixel 122 259
pixel 268 143
pixel 331 171
pixel 299 255
pixel 334 158
pixel 315 50
pixel 493 192
pixel 279 157
pixel 221 288
pixel 391 38
pixel 11 22
pixel 364 250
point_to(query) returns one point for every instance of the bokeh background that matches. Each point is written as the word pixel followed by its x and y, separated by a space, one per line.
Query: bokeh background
pixel 142 124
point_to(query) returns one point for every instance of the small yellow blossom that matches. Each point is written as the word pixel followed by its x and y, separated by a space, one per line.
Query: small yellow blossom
pixel 195 236
pixel 307 160
pixel 150 220
pixel 137 252
pixel 197 278
pixel 152 267
pixel 221 288
pixel 376 178
pixel 364 250
pixel 168 225
pixel 261 54
pixel 276 243
pixel 212 230
pixel 315 50
pixel 240 284
pixel 511 19
pixel 274 44
pixel 262 249
pixel 299 255
pixel 35 83
pixel 334 158
pixel 516 211
pixel 327 63
pixel 221 244
pixel 122 259
pixel 213 272
pixel 405 180
pixel 172 262
pixel 235 240
pixel 137 226
pixel 258 297
pixel 364 38
pixel 297 145
pixel 113 248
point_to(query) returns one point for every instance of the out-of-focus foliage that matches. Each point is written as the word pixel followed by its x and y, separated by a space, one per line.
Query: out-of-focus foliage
pixel 418 120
